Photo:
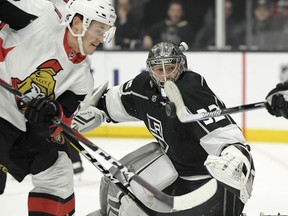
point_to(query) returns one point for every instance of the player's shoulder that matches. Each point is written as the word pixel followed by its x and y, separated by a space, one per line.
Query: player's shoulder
pixel 141 80
pixel 34 7
pixel 190 78
pixel 139 84
pixel 192 74
pixel 143 75
pixel 192 84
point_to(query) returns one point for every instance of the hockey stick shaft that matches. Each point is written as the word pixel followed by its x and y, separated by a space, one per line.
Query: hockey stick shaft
pixel 175 204
pixel 185 116
pixel 221 112
pixel 123 169
pixel 190 199
pixel 78 147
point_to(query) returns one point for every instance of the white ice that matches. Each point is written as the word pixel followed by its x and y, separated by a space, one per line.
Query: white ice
pixel 270 193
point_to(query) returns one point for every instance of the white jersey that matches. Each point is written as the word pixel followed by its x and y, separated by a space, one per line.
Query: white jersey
pixel 37 61
pixel 61 5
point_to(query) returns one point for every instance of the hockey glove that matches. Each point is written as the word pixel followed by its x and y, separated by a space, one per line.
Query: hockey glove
pixel 96 95
pixel 277 100
pixel 234 168
pixel 41 111
pixel 87 119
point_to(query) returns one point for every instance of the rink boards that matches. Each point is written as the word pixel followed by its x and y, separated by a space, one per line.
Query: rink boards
pixel 236 77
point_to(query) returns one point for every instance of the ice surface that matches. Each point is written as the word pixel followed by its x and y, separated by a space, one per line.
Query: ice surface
pixel 270 193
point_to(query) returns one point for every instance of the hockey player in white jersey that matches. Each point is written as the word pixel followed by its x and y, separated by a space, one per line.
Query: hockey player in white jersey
pixel 46 59
pixel 197 151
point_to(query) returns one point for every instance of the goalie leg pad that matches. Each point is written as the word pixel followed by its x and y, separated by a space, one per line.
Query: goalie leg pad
pixel 144 161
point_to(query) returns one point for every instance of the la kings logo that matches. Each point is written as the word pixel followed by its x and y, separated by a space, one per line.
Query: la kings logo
pixel 156 129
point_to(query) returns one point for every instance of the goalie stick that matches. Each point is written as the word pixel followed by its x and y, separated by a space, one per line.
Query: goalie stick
pixel 177 203
pixel 185 116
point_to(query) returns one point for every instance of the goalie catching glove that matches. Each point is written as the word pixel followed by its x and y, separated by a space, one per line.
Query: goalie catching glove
pixel 88 117
pixel 234 168
pixel 277 100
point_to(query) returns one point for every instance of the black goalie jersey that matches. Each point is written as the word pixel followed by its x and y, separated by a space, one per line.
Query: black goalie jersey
pixel 187 144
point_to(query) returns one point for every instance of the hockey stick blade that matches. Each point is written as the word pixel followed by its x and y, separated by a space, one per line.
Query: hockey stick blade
pixel 176 203
pixel 185 116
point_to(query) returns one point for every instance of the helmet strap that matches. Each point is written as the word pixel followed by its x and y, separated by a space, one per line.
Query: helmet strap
pixel 80 44
pixel 79 39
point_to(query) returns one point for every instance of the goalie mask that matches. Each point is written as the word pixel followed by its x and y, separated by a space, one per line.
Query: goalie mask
pixel 99 10
pixel 165 62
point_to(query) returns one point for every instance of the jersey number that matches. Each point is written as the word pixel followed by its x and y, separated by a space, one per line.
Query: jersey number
pixel 211 108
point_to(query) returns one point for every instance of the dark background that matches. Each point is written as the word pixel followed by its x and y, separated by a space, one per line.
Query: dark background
pixel 195 11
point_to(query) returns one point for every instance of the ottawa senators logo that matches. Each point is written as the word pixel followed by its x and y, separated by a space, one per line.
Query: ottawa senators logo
pixel 40 83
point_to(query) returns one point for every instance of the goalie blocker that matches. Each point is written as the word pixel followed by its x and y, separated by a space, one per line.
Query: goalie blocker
pixel 88 117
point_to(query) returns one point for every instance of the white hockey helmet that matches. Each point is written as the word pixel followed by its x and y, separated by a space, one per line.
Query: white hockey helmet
pixel 98 10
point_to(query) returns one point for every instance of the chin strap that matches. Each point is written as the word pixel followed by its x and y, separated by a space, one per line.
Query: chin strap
pixel 80 43
pixel 79 39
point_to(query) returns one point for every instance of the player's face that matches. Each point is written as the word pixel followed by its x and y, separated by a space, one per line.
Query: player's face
pixel 94 36
pixel 165 72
